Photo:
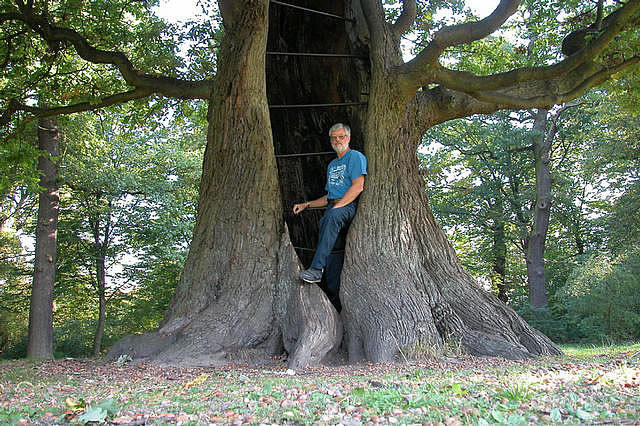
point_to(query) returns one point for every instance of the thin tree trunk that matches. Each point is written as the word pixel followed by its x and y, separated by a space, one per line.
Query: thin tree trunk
pixel 40 343
pixel 536 242
pixel 499 251
pixel 579 244
pixel 102 304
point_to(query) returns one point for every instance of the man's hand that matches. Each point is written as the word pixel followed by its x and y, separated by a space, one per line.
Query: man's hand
pixel 297 208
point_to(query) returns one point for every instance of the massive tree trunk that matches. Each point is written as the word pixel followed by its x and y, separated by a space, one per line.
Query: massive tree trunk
pixel 40 343
pixel 226 297
pixel 402 283
pixel 536 275
pixel 240 276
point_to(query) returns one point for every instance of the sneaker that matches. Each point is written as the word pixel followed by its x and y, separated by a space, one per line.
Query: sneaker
pixel 311 275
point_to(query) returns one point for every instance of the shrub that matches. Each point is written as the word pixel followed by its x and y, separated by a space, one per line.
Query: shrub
pixel 602 298
pixel 545 320
pixel 74 338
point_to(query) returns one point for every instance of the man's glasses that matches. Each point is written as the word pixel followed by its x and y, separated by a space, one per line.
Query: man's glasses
pixel 338 137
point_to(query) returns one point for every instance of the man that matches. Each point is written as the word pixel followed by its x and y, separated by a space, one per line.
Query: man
pixel 345 182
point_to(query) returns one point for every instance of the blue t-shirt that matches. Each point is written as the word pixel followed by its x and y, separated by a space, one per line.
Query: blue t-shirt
pixel 342 171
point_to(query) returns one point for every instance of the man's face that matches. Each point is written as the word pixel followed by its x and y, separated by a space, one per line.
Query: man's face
pixel 339 141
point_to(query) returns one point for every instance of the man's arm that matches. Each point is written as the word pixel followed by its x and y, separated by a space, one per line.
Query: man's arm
pixel 320 202
pixel 357 185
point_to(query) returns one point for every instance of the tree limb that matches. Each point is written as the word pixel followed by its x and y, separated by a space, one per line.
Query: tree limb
pixel 168 86
pixel 38 112
pixel 374 15
pixel 441 104
pixel 456 35
pixel 423 70
pixel 406 18
pixel 549 99
pixel 437 105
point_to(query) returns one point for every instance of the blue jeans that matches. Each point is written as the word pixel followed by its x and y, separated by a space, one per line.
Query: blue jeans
pixel 333 221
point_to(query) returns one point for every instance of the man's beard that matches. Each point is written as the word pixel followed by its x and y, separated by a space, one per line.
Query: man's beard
pixel 339 149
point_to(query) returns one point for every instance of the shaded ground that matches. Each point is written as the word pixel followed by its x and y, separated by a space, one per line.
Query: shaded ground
pixel 596 386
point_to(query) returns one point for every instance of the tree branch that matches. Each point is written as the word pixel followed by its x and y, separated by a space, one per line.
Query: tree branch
pixel 406 18
pixel 53 35
pixel 549 99
pixel 456 35
pixel 424 68
pixel 440 104
pixel 374 15
pixel 37 112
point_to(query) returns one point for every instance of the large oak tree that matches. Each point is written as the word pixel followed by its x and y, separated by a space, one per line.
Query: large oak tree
pixel 402 285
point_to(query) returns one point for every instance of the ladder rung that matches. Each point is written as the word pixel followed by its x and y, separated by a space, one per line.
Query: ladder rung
pixel 312 10
pixel 327 55
pixel 317 105
pixel 308 249
pixel 305 154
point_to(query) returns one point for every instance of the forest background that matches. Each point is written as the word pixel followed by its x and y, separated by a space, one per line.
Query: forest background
pixel 129 180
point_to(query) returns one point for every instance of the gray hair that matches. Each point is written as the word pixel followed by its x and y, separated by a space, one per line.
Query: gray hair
pixel 339 126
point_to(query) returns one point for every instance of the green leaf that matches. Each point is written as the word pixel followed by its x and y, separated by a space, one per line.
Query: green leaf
pixel 556 416
pixel 93 414
pixel 516 419
pixel 75 404
pixel 457 389
pixel 483 422
pixel 109 405
pixel 498 416
pixel 584 415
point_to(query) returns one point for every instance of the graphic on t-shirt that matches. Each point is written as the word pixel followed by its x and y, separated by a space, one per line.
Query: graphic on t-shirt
pixel 336 175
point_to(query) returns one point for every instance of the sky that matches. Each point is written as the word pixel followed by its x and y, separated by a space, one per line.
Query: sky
pixel 181 10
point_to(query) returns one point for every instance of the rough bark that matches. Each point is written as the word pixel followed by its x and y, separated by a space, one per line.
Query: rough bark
pixel 239 294
pixel 311 328
pixel 402 283
pixel 224 301
pixel 536 276
pixel 101 286
pixel 40 344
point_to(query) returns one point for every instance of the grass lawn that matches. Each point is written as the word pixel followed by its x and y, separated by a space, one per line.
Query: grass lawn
pixel 593 385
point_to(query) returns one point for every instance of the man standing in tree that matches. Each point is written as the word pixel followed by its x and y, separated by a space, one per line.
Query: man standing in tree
pixel 345 182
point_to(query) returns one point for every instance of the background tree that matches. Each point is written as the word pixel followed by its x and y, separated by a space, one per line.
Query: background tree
pixel 480 179
pixel 591 164
pixel 123 181
pixel 154 169
pixel 402 282
pixel 41 307
pixel 14 293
